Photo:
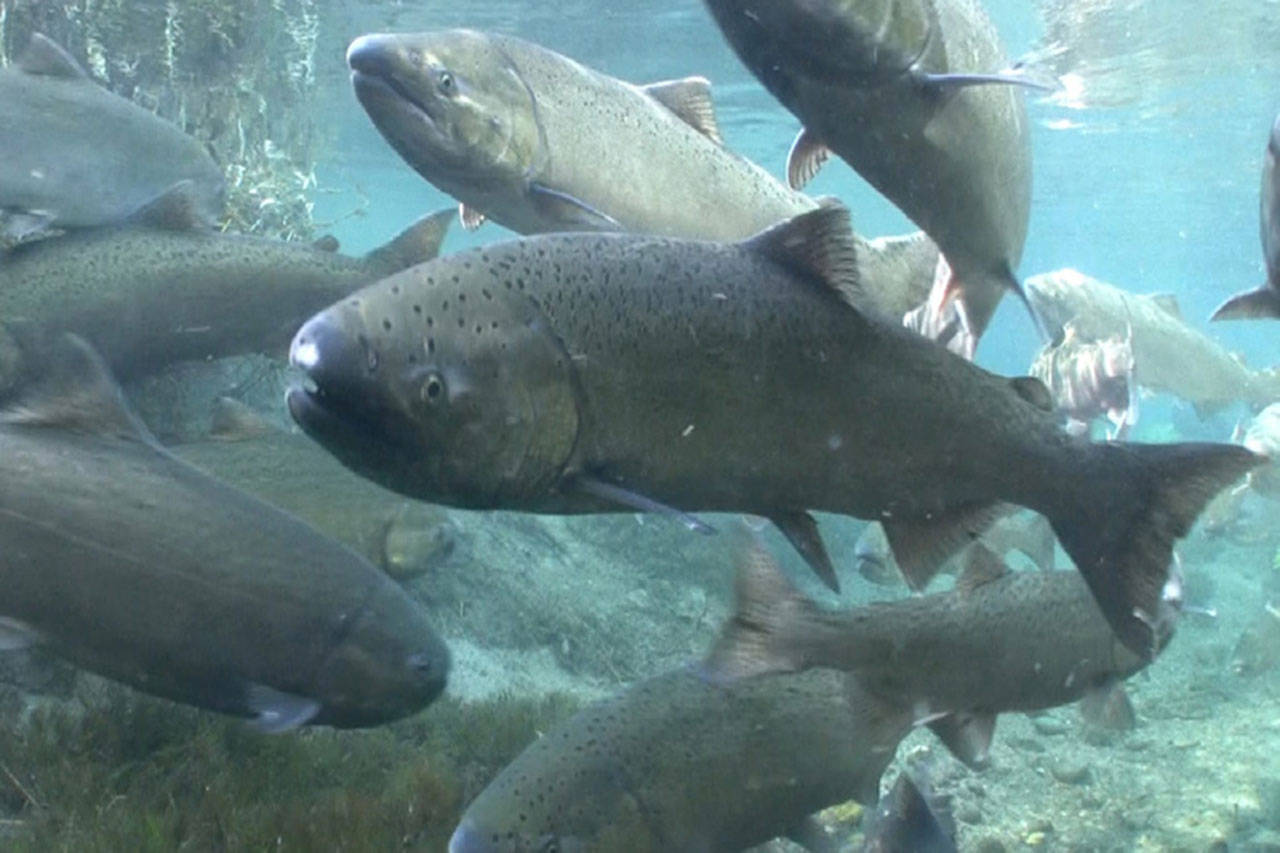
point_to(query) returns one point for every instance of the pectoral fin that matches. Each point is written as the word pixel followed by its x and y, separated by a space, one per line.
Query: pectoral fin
pixel 967 736
pixel 634 500
pixel 16 634
pixel 805 159
pixel 945 82
pixel 568 210
pixel 277 711
pixel 470 217
pixel 25 226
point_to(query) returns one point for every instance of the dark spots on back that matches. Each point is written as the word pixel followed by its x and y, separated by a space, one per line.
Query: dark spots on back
pixel 395 288
pixel 417 309
pixel 386 324
pixel 431 346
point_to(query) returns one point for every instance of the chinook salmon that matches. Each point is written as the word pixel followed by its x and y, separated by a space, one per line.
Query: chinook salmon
pixel 77 156
pixel 134 565
pixel 900 90
pixel 1000 641
pixel 154 292
pixel 1168 354
pixel 1264 301
pixel 676 764
pixel 539 143
pixel 581 373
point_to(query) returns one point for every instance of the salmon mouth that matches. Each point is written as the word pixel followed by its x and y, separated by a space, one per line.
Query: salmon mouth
pixel 358 438
pixel 372 86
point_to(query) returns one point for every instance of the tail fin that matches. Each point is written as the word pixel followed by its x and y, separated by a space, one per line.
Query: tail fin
pixel 419 242
pixel 757 640
pixel 1139 499
pixel 1252 304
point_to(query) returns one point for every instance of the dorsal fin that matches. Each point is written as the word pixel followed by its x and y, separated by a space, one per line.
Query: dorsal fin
pixel 981 566
pixel 76 391
pixel 1168 303
pixel 818 244
pixel 690 99
pixel 46 58
pixel 1033 391
pixel 419 242
pixel 175 209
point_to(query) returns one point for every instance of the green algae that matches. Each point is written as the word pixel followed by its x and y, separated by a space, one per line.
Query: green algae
pixel 136 773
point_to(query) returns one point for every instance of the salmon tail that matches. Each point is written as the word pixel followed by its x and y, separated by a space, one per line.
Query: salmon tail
pixel 1263 302
pixel 1136 501
pixel 758 639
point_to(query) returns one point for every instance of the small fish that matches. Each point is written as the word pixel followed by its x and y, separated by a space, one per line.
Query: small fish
pixel 418 539
pixel 1000 641
pixel 910 94
pixel 130 563
pixel 1090 379
pixel 1169 355
pixel 1265 301
pixel 232 420
pixel 561 373
pixel 675 764
pixel 77 156
pixel 1258 649
pixel 156 291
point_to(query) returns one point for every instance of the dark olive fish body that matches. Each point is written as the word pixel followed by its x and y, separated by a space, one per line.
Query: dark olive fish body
pixel 76 156
pixel 676 764
pixel 869 82
pixel 135 565
pixel 727 377
pixel 148 296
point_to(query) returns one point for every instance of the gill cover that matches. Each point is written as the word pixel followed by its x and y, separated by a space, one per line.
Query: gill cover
pixel 469 380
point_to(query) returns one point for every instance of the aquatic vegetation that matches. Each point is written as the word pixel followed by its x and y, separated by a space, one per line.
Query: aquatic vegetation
pixel 237 76
pixel 134 773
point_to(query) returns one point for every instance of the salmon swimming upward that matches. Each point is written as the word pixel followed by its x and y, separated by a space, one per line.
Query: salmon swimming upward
pixel 583 373
pixel 1265 301
pixel 904 92
pixel 539 143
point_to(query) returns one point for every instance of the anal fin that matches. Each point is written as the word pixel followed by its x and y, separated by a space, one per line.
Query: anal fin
pixel 922 545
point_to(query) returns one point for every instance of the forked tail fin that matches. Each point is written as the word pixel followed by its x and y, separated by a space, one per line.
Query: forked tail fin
pixel 1135 500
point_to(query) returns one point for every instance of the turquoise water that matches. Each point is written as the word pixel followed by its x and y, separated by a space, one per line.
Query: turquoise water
pixel 1156 194
pixel 1146 173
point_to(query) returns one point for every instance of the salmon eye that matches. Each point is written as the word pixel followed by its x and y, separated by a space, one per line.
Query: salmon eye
pixel 433 388
pixel 446 83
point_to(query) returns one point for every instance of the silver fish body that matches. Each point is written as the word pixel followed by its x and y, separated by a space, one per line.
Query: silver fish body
pixel 76 155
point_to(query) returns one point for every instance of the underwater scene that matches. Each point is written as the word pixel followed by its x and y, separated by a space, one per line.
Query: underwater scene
pixel 680 425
